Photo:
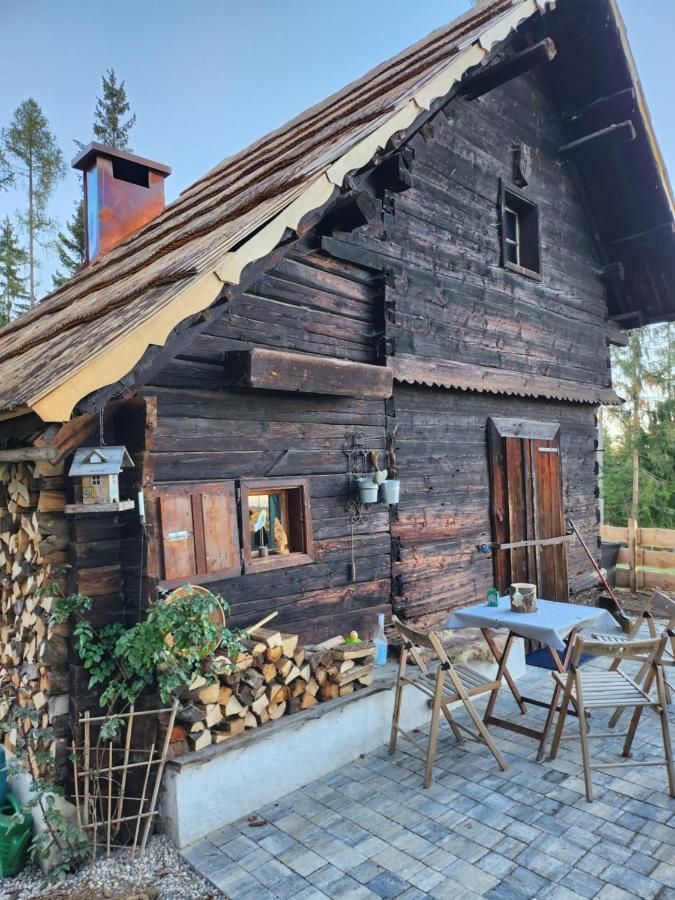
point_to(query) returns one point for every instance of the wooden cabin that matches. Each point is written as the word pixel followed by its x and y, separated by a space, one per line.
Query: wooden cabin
pixel 423 274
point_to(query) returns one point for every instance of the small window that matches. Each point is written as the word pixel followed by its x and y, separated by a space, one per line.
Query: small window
pixel 520 233
pixel 276 524
pixel 96 479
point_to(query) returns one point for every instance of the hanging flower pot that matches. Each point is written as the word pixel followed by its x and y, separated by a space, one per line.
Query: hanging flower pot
pixel 367 489
pixel 390 491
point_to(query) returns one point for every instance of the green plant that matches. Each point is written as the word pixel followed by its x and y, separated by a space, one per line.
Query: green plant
pixel 164 652
pixel 66 844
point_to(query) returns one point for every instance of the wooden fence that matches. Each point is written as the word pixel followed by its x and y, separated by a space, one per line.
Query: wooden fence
pixel 646 558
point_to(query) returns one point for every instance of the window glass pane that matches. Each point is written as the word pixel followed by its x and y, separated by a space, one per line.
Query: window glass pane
pixel 268 522
pixel 259 520
pixel 511 225
pixel 512 253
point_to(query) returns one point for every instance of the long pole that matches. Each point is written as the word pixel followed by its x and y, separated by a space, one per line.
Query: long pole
pixel 594 564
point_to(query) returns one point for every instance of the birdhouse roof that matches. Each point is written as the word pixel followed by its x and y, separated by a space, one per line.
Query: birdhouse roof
pixel 100 461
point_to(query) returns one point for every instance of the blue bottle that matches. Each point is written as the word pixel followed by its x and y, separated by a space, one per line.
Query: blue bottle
pixel 380 642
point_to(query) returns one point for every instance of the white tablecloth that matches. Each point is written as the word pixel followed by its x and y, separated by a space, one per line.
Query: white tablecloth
pixel 551 623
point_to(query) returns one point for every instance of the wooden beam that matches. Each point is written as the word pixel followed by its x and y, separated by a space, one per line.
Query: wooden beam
pixel 540 542
pixel 600 141
pixel 29 454
pixel 665 228
pixel 612 272
pixel 508 69
pixel 621 102
pixel 616 335
pixel 278 370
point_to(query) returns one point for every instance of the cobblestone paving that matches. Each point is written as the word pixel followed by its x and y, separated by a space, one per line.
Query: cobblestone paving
pixel 369 830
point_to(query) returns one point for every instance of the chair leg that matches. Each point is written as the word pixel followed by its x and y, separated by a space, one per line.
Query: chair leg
pixel 485 734
pixel 451 722
pixel 616 715
pixel 561 722
pixel 663 715
pixel 433 731
pixel 583 736
pixel 398 697
pixel 635 719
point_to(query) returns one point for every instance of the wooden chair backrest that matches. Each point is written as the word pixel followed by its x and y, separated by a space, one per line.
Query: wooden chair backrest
pixel 427 639
pixel 644 650
pixel 661 603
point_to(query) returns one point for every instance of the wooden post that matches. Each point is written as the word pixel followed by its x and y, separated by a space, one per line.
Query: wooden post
pixel 639 559
pixel 632 553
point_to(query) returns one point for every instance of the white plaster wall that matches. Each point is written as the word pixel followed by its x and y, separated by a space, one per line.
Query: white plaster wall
pixel 199 798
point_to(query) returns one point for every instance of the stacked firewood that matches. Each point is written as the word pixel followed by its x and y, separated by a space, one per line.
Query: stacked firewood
pixel 273 678
pixel 33 543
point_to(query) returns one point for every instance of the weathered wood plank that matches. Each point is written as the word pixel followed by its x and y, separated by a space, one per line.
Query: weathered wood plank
pixel 281 371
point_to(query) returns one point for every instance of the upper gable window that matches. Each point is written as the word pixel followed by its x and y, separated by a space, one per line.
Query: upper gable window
pixel 521 249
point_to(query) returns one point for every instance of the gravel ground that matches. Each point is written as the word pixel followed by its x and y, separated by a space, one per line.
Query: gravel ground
pixel 160 874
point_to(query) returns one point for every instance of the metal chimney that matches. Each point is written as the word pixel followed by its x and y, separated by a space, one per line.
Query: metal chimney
pixel 122 193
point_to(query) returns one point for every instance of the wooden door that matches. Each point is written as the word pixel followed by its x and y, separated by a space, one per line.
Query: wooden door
pixel 528 519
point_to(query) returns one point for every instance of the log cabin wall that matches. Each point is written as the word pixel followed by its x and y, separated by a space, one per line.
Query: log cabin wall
pixel 444 513
pixel 206 435
pixel 424 279
pixel 203 433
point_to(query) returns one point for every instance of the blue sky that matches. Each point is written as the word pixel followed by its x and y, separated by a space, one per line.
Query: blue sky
pixel 207 77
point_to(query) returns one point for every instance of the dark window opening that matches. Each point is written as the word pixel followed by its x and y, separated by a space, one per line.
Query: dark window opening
pixel 134 173
pixel 521 249
pixel 279 528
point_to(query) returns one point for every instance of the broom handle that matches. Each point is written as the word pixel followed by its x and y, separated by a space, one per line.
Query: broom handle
pixel 595 565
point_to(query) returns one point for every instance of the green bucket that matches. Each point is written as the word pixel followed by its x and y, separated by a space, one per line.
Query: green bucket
pixel 16 829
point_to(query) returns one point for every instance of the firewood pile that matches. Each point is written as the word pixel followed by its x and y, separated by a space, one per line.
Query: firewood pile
pixel 33 543
pixel 274 678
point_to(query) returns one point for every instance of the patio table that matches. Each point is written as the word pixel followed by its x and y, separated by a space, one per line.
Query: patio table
pixel 552 625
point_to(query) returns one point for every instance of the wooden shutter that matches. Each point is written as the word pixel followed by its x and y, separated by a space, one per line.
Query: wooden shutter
pixel 178 539
pixel 200 537
pixel 218 513
pixel 527 506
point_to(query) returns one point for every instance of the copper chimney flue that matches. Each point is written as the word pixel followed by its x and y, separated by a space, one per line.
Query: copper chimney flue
pixel 122 193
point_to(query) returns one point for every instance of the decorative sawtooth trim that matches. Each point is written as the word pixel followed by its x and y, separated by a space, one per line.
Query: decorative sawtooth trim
pixel 119 358
pixel 466 377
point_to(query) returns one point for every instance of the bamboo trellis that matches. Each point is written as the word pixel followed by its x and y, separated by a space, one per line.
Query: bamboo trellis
pixel 100 781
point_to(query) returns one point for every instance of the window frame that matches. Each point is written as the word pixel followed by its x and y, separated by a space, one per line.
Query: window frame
pixel 515 201
pixel 252 486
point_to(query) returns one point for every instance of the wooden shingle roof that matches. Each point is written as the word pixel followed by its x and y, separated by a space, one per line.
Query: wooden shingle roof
pixel 95 329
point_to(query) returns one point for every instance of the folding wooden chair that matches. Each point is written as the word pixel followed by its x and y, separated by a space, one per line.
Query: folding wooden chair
pixel 592 690
pixel 446 684
pixel 645 627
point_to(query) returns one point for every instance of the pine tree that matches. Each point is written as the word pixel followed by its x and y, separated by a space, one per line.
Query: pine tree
pixel 70 246
pixel 33 157
pixel 13 258
pixel 109 127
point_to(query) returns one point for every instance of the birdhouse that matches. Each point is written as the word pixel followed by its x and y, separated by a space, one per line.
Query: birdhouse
pixel 99 469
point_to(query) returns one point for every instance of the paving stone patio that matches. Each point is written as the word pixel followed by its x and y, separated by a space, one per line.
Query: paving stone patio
pixel 369 830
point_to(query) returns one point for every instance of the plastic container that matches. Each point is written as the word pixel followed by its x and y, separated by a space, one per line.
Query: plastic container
pixel 609 555
pixel 16 831
pixel 380 642
pixel 493 597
